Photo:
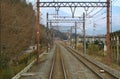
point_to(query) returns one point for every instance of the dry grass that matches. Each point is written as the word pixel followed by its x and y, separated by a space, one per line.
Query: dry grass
pixel 102 59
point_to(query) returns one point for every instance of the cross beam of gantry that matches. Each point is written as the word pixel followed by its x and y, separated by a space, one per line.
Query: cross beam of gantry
pixel 73 4
pixel 65 21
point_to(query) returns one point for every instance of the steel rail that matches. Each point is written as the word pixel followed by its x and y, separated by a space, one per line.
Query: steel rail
pixel 76 54
pixel 52 67
pixel 64 69
pixel 99 75
pixel 62 64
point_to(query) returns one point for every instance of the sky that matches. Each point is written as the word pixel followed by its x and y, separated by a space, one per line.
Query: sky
pixel 95 25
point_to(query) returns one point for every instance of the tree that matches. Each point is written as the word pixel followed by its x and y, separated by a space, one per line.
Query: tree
pixel 93 49
pixel 4 60
pixel 17 27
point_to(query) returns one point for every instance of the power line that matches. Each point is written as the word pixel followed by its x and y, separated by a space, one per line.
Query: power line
pixel 91 11
pixel 97 12
pixel 114 1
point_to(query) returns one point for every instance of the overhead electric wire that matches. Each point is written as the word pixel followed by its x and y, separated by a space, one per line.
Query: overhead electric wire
pixel 114 1
pixel 97 12
pixel 105 10
pixel 91 11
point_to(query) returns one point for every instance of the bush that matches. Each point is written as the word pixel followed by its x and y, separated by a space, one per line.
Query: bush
pixel 100 44
pixel 79 47
pixel 25 58
pixel 93 49
pixel 4 61
pixel 6 74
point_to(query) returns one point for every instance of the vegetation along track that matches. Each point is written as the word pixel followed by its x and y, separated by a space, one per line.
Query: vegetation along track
pixel 58 70
pixel 92 66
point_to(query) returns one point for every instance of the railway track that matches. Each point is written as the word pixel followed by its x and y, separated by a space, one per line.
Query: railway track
pixel 58 70
pixel 102 74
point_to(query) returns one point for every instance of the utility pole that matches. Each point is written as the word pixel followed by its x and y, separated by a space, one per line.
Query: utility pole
pixel 84 40
pixel 71 36
pixel 52 34
pixel 108 33
pixel 75 35
pixel 37 32
pixel 47 32
pixel 94 26
pixel 111 16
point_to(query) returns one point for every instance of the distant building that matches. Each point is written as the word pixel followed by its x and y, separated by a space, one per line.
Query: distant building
pixel 91 39
pixel 115 46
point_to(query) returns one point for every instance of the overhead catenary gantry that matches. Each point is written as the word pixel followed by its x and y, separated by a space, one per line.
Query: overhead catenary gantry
pixel 71 5
pixel 65 19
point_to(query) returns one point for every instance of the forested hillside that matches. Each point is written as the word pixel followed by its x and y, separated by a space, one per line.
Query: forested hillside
pixel 17 26
pixel 17 33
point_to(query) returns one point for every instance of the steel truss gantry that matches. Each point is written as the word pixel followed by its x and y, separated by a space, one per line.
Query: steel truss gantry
pixel 73 4
pixel 65 21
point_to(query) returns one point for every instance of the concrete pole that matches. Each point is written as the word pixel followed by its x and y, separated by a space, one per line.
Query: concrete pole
pixel 71 36
pixel 75 35
pixel 108 61
pixel 47 31
pixel 84 35
pixel 38 31
pixel 52 33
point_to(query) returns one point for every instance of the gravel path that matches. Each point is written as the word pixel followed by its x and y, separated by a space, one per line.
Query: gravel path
pixel 75 68
pixel 41 70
